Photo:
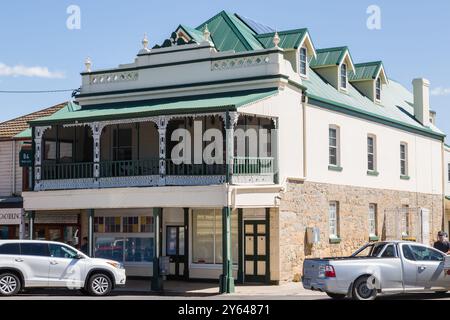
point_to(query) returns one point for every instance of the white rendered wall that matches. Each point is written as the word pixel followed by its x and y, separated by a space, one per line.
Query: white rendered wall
pixel 424 154
pixel 287 107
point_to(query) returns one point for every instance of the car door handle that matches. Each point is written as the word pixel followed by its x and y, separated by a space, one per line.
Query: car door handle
pixel 421 268
pixel 19 260
pixel 53 262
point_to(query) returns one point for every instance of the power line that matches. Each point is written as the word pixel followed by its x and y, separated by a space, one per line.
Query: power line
pixel 37 91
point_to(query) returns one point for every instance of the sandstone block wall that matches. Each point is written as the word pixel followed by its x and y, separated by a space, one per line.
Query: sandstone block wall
pixel 305 204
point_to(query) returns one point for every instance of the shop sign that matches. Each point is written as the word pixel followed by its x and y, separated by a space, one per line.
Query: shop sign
pixel 50 218
pixel 26 158
pixel 10 216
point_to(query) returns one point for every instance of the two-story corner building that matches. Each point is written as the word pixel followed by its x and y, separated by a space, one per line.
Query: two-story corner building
pixel 348 155
pixel 15 174
pixel 447 187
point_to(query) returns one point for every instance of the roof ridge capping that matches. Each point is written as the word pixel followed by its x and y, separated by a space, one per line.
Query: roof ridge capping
pixel 282 32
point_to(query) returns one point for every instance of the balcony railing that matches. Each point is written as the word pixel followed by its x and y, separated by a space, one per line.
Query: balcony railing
pixel 146 172
pixel 129 168
pixel 203 169
pixel 253 166
pixel 59 171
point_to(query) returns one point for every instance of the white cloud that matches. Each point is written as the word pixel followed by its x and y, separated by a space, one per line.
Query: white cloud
pixel 440 91
pixel 23 71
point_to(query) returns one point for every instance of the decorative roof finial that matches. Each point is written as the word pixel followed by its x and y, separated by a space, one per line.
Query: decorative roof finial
pixel 206 33
pixel 145 41
pixel 276 40
pixel 88 64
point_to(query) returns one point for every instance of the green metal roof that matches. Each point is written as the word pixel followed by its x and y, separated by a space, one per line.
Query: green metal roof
pixel 365 71
pixel 328 57
pixel 289 39
pixel 178 105
pixel 396 102
pixel 24 134
pixel 195 34
pixel 228 32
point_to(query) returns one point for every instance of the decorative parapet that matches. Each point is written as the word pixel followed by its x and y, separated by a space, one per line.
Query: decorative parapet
pixel 108 77
pixel 241 62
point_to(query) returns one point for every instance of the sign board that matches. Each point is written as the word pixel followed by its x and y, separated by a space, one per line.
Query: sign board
pixel 26 158
pixel 10 216
pixel 49 218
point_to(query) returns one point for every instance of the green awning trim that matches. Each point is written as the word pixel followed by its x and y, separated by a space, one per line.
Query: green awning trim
pixel 179 105
pixel 25 134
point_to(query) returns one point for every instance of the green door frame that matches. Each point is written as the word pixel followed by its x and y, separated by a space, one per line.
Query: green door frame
pixel 255 257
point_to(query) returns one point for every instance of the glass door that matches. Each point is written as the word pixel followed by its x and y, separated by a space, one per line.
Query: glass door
pixel 175 251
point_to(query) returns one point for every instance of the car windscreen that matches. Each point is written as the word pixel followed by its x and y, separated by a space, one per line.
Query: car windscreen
pixel 370 250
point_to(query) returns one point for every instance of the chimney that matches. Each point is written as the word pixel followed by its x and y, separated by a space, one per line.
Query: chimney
pixel 421 90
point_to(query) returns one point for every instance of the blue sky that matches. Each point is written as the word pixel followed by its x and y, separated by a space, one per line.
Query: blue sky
pixel 414 40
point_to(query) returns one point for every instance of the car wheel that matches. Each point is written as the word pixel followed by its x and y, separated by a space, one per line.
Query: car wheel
pixel 336 296
pixel 9 284
pixel 364 289
pixel 99 285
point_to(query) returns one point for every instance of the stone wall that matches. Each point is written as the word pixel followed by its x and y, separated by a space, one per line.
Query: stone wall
pixel 305 204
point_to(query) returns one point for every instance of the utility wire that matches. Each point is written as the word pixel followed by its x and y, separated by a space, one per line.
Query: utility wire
pixel 37 91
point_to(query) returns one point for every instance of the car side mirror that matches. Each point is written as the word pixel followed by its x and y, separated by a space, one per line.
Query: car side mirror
pixel 79 256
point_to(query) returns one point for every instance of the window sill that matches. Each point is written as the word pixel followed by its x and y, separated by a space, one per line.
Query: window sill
pixel 373 238
pixel 335 240
pixel 373 173
pixel 335 168
pixel 404 177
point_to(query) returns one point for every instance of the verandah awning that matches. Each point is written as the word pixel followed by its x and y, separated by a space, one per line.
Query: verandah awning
pixel 179 105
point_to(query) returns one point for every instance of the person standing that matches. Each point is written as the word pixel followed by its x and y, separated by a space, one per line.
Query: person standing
pixel 84 246
pixel 442 244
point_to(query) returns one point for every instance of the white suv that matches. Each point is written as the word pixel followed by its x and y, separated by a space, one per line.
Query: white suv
pixel 47 264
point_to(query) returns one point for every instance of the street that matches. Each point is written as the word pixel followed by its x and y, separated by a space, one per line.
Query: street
pixel 56 294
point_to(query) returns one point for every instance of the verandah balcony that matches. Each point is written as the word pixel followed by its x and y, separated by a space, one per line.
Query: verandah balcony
pixel 242 166
pixel 129 154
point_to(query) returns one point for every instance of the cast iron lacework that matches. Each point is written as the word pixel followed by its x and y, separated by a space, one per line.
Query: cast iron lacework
pixel 174 40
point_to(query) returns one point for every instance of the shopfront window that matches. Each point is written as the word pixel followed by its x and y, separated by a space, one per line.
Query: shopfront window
pixel 130 224
pixel 146 224
pixel 207 236
pixel 124 249
pixel 138 249
pixel 124 238
pixel 4 232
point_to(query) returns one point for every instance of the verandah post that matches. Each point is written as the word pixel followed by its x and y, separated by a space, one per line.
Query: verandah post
pixel 226 279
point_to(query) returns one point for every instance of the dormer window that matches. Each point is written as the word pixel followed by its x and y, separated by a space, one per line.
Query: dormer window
pixel 303 61
pixel 343 76
pixel 378 89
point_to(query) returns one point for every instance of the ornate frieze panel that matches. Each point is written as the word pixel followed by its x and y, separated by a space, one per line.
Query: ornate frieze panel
pixel 241 62
pixel 194 180
pixel 108 77
pixel 135 181
pixel 65 184
pixel 252 179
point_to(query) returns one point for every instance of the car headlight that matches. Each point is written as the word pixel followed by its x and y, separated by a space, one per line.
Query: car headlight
pixel 115 264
